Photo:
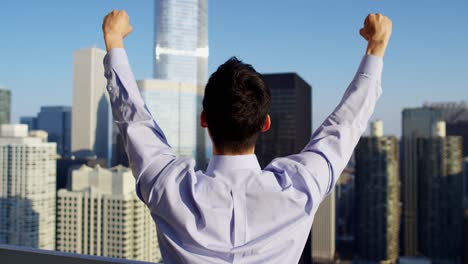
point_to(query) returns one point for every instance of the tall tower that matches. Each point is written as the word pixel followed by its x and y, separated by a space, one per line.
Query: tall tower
pixel 324 231
pixel 180 69
pixel 27 188
pixel 5 106
pixel 377 214
pixel 91 115
pixel 440 196
pixel 181 41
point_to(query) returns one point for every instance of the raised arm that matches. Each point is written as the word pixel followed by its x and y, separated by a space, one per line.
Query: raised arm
pixel 333 143
pixel 145 143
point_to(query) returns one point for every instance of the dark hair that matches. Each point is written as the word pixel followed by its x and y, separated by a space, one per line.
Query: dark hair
pixel 236 104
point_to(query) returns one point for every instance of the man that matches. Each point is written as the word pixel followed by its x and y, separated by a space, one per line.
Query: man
pixel 235 212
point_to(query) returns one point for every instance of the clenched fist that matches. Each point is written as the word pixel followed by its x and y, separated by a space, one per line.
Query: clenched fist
pixel 377 30
pixel 116 26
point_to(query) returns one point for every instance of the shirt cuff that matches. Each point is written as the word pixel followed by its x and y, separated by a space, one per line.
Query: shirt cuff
pixel 371 65
pixel 115 57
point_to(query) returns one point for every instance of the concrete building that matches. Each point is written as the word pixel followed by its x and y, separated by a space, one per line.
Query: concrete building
pixel 323 232
pixel 291 117
pixel 101 215
pixel 91 115
pixel 181 44
pixel 176 107
pixel 377 210
pixel 27 188
pixel 440 198
pixel 5 106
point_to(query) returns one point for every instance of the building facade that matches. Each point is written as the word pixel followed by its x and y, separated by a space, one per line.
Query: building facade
pixel 324 231
pixel 377 210
pixel 419 123
pixel 91 116
pixel 101 215
pixel 181 44
pixel 177 113
pixel 440 199
pixel 56 121
pixel 5 106
pixel 27 189
pixel 291 117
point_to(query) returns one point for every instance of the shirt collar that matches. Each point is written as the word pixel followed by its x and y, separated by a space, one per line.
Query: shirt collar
pixel 231 163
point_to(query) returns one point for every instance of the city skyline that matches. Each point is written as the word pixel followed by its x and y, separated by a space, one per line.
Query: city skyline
pixel 312 51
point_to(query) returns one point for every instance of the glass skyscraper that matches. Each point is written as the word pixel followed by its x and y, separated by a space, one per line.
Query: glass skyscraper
pixel 181 44
pixel 180 71
pixel 56 121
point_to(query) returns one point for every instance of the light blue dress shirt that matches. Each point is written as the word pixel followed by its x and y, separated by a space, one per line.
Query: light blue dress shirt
pixel 235 212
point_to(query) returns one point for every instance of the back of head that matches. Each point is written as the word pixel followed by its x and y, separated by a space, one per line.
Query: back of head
pixel 236 104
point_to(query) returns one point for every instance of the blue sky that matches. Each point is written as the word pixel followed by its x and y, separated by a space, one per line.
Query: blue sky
pixel 427 59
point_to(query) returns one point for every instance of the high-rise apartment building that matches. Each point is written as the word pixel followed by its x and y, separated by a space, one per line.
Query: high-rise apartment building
pixel 56 121
pixel 377 210
pixel 440 197
pixel 181 44
pixel 101 215
pixel 419 123
pixel 323 231
pixel 174 108
pixel 291 117
pixel 27 188
pixel 5 106
pixel 91 115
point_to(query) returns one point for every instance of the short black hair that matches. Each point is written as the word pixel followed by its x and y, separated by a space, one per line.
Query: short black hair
pixel 236 104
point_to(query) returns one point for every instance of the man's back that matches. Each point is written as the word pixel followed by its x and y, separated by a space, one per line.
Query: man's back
pixel 234 212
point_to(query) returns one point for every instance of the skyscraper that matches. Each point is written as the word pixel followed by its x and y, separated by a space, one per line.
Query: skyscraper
pixel 419 123
pixel 56 121
pixel 181 44
pixel 174 108
pixel 101 215
pixel 291 117
pixel 181 60
pixel 377 210
pixel 91 115
pixel 323 231
pixel 440 210
pixel 5 106
pixel 30 121
pixel 27 189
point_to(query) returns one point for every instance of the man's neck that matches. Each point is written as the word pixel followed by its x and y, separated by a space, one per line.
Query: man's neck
pixel 249 151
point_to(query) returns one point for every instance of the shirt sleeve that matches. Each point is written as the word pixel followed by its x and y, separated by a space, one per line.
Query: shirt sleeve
pixel 332 144
pixel 145 143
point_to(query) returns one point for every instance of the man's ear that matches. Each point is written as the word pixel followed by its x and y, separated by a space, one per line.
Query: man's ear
pixel 203 122
pixel 267 124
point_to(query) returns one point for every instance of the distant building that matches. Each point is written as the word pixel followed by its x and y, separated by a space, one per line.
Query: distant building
pixel 66 165
pixel 291 117
pixel 440 198
pixel 466 237
pixel 27 188
pixel 91 115
pixel 56 121
pixel 419 123
pixel 345 195
pixel 101 215
pixel 181 44
pixel 377 210
pixel 30 121
pixel 5 106
pixel 176 107
pixel 323 231
pixel 465 179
